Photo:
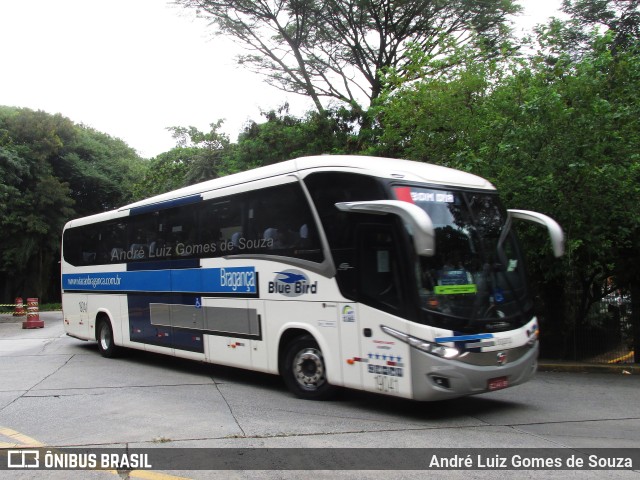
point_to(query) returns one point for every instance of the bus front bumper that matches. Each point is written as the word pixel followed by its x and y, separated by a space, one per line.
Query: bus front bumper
pixel 437 378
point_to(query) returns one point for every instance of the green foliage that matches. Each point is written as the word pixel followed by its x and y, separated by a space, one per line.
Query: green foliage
pixel 197 156
pixel 433 119
pixel 164 173
pixel 207 152
pixel 284 136
pixel 51 170
pixel 621 17
pixel 200 156
pixel 560 137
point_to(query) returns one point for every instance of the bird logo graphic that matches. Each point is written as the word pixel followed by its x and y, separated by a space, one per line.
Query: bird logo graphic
pixel 291 277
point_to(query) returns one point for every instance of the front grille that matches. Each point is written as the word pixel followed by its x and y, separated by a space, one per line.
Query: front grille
pixel 485 359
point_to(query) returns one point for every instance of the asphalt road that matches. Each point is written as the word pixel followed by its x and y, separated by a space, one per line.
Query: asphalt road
pixel 56 391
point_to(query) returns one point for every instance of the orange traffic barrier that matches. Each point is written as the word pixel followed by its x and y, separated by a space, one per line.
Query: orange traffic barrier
pixel 33 315
pixel 19 310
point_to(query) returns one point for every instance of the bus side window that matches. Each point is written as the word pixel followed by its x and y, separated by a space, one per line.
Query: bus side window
pixel 280 217
pixel 74 246
pixel 113 242
pixel 221 226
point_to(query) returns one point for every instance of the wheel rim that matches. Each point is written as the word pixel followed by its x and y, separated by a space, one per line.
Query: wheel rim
pixel 308 368
pixel 105 338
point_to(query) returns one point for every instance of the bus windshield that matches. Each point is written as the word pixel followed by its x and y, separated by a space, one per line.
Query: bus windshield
pixel 476 279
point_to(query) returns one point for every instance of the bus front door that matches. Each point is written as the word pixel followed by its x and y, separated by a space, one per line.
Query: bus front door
pixel 382 292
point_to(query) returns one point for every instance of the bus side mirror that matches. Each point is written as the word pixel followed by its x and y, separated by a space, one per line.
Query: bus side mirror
pixel 417 220
pixel 555 231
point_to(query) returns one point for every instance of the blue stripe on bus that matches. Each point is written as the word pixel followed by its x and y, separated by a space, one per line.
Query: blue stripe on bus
pixel 232 280
pixel 168 204
pixel 464 338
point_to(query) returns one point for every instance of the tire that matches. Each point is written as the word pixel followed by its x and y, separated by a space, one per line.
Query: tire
pixel 104 335
pixel 304 370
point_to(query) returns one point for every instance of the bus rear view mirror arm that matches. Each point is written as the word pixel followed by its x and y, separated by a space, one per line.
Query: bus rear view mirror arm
pixel 555 231
pixel 419 222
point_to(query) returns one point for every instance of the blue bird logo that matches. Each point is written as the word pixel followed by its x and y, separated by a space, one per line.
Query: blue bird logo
pixel 290 277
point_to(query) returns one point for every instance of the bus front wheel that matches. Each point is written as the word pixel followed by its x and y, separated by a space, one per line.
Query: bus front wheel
pixel 104 336
pixel 304 370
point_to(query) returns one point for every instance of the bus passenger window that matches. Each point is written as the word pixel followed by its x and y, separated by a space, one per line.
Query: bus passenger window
pixel 139 248
pixel 281 221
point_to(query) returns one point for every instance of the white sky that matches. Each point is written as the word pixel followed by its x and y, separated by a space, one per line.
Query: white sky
pixel 131 68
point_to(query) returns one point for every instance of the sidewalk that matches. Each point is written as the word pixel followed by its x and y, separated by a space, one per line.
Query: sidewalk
pixel 9 318
pixel 580 367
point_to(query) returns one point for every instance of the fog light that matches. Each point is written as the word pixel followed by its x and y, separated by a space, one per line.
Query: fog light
pixel 441 381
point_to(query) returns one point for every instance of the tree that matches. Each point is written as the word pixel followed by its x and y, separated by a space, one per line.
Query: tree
pixel 197 156
pixel 164 173
pixel 51 170
pixel 557 137
pixel 436 119
pixel 99 169
pixel 200 156
pixel 340 49
pixel 619 16
pixel 284 136
pixel 207 152
pixel 588 19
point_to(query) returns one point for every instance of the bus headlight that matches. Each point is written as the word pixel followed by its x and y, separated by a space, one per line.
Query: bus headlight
pixel 422 345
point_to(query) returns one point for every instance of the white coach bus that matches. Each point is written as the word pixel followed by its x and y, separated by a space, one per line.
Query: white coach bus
pixel 376 274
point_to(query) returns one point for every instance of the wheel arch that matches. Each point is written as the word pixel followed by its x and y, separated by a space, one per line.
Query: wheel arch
pixel 303 364
pixel 287 336
pixel 293 331
pixel 101 316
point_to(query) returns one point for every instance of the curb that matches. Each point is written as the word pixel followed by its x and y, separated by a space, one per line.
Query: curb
pixel 620 369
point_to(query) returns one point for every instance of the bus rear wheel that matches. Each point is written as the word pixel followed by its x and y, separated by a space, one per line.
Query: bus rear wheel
pixel 304 370
pixel 104 336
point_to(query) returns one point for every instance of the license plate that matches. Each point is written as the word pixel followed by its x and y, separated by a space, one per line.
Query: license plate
pixel 497 383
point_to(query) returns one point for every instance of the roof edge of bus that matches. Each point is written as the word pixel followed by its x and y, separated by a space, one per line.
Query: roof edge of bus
pixel 399 169
pixel 379 166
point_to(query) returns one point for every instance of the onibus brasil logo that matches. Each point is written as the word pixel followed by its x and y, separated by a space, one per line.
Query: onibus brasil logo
pixel 292 283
